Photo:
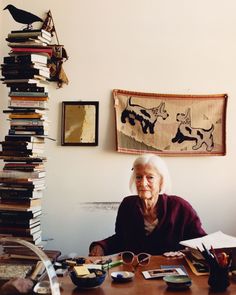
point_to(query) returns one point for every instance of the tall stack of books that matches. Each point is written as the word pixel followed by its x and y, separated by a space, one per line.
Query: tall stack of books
pixel 22 180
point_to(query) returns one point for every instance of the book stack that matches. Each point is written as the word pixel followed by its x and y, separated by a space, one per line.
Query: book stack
pixel 22 181
pixel 28 38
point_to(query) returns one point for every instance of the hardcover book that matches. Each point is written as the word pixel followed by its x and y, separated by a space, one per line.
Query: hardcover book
pixel 34 204
pixel 19 193
pixel 27 104
pixel 26 58
pixel 28 94
pixel 46 50
pixel 19 174
pixel 31 32
pixel 20 214
pixel 41 90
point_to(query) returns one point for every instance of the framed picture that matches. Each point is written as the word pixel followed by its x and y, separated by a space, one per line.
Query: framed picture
pixel 170 124
pixel 80 123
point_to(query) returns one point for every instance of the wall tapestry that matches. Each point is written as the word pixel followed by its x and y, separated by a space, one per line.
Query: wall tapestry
pixel 170 124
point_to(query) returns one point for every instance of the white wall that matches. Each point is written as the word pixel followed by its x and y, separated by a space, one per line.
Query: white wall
pixel 167 46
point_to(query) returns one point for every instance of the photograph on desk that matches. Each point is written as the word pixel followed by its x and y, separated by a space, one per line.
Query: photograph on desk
pixel 162 272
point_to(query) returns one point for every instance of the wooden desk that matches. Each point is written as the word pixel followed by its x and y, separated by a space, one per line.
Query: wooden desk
pixel 140 286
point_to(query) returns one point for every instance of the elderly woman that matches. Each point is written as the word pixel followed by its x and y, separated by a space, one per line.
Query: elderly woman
pixel 151 221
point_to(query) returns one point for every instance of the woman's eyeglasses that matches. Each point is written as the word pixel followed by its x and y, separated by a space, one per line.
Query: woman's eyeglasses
pixel 129 257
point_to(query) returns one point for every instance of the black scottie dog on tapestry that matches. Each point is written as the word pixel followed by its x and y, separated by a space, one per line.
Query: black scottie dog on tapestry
pixel 146 117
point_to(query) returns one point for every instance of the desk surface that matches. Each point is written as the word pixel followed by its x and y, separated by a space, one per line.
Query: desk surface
pixel 145 287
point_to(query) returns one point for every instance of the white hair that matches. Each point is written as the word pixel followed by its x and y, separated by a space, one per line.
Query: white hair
pixel 157 163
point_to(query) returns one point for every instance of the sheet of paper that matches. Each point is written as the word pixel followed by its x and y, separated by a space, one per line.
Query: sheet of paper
pixel 217 240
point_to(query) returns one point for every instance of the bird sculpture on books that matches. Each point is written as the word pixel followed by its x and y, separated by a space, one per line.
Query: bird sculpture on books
pixel 22 16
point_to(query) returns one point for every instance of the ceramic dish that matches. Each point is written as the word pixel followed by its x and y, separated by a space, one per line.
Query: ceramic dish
pixel 122 276
pixel 178 281
pixel 88 282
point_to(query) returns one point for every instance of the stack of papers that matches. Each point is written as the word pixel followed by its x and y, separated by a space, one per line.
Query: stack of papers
pixel 217 240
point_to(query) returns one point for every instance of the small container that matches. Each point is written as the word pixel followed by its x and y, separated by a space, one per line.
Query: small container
pixel 84 282
pixel 219 278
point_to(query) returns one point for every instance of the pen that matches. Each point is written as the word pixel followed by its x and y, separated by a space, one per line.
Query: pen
pixel 214 254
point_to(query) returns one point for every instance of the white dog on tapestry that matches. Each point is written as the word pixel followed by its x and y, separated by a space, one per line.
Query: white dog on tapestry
pixel 147 117
pixel 186 132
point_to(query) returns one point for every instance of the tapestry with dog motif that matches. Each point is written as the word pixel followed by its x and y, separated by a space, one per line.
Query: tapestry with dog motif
pixel 170 124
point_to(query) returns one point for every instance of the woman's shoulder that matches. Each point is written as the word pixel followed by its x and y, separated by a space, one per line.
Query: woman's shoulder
pixel 175 200
pixel 129 203
pixel 131 199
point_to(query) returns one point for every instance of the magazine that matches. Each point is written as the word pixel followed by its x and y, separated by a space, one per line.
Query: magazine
pixel 162 272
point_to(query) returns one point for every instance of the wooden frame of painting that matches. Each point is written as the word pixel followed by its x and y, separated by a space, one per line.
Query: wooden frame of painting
pixel 80 123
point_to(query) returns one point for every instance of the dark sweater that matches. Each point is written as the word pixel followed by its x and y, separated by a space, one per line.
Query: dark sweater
pixel 177 221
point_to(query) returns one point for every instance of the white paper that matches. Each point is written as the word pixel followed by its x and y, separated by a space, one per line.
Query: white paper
pixel 217 240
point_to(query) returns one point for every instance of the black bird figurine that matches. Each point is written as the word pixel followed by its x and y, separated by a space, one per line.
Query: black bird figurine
pixel 22 16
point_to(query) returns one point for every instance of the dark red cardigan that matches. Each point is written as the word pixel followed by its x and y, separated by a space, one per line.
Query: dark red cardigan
pixel 177 221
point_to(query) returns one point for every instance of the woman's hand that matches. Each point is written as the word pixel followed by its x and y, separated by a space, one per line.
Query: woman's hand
pixel 96 251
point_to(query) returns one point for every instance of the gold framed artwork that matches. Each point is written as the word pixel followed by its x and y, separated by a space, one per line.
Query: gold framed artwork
pixel 170 124
pixel 80 123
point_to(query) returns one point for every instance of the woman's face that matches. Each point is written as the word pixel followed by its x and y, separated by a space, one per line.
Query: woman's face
pixel 148 181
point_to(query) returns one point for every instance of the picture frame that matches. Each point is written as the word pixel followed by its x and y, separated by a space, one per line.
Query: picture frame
pixel 79 123
pixel 170 124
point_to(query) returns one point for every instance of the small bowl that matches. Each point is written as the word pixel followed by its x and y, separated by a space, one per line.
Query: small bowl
pixel 122 276
pixel 178 281
pixel 86 282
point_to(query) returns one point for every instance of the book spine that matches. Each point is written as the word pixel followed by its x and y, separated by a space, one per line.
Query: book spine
pixel 28 98
pixel 23 138
pixel 19 215
pixel 28 88
pixel 28 94
pixel 31 132
pixel 25 116
pixel 33 50
pixel 32 31
pixel 28 122
pixel 16 194
pixel 27 103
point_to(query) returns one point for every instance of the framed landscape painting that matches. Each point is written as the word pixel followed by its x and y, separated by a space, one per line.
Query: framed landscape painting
pixel 80 123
